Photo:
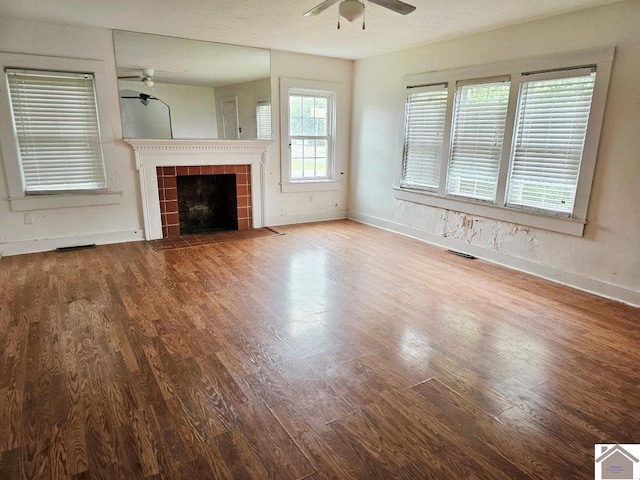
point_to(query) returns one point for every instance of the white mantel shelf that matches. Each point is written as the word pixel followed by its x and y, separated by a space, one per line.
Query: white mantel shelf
pixel 197 145
pixel 153 153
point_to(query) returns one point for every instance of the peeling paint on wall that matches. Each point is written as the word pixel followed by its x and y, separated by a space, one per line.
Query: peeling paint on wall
pixel 502 237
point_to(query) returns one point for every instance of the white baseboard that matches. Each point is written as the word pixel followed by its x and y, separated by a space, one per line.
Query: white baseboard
pixel 47 244
pixel 306 218
pixel 579 282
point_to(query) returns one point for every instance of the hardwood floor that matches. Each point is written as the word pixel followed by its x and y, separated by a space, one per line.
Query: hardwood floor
pixel 333 351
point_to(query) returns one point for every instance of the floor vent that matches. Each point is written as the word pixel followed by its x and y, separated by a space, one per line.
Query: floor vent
pixel 463 255
pixel 75 247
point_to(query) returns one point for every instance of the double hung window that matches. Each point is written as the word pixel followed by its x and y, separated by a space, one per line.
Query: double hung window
pixel 308 112
pixel 509 146
pixel 55 120
pixel 56 132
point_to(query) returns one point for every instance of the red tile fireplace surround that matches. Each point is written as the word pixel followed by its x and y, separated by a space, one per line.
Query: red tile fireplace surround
pixel 168 192
pixel 247 157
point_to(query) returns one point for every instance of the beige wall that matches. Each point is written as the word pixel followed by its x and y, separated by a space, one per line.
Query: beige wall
pixel 248 95
pixel 606 259
pixel 123 221
pixel 115 222
pixel 309 206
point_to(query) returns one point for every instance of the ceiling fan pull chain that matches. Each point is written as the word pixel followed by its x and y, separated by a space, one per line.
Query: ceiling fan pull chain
pixel 364 13
pixel 338 19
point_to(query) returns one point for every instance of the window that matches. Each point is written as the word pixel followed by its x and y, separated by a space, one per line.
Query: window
pixel 425 114
pixel 308 112
pixel 514 141
pixel 551 129
pixel 478 130
pixel 263 120
pixel 309 138
pixel 56 126
pixel 56 132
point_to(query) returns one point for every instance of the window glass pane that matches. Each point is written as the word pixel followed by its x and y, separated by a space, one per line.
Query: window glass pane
pixel 550 134
pixel 308 107
pixel 424 130
pixel 309 126
pixel 296 158
pixel 478 131
pixel 57 129
pixel 309 158
pixel 320 115
pixel 321 126
pixel 322 147
pixel 295 115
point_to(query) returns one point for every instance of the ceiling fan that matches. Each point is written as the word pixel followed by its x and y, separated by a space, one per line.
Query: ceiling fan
pixel 354 9
pixel 146 77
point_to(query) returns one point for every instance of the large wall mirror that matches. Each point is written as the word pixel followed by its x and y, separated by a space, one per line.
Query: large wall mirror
pixel 178 88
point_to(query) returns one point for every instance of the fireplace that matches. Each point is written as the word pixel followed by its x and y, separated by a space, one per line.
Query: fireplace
pixel 158 190
pixel 204 198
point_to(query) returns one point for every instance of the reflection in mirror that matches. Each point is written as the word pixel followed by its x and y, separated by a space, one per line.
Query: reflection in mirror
pixel 178 88
pixel 144 116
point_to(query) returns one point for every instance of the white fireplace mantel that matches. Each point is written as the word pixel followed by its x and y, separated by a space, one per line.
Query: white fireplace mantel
pixel 151 154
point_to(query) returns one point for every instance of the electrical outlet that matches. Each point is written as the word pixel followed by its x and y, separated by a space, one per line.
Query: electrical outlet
pixel 28 218
pixel 310 198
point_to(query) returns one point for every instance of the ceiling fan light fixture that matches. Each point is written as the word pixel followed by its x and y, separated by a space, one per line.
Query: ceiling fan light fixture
pixel 351 9
pixel 148 81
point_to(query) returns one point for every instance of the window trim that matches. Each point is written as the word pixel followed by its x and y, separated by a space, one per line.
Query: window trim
pixel 18 199
pixel 334 92
pixel 601 58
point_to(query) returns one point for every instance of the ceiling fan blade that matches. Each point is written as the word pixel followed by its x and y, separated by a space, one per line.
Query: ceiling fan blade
pixel 320 8
pixel 395 5
pixel 128 77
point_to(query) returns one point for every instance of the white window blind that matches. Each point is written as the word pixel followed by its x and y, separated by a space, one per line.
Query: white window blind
pixel 550 134
pixel 478 131
pixel 425 112
pixel 56 125
pixel 263 120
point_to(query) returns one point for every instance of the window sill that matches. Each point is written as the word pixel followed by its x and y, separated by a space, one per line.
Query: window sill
pixel 310 186
pixel 43 202
pixel 568 226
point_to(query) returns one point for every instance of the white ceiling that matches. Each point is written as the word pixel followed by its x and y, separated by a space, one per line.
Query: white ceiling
pixel 280 24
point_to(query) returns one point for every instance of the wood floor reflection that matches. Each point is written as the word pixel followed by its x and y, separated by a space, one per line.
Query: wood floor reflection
pixel 334 351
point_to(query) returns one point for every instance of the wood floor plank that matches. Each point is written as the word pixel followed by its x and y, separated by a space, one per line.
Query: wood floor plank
pixel 335 351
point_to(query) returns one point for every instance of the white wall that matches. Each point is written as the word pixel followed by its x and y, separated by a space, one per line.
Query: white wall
pixel 98 224
pixel 248 94
pixel 193 109
pixel 284 208
pixel 606 260
pixel 52 228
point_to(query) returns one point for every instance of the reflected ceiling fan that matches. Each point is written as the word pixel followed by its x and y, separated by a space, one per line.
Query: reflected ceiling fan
pixel 354 9
pixel 146 77
pixel 143 98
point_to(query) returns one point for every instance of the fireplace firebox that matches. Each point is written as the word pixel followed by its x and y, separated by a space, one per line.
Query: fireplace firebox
pixel 207 203
pixel 204 199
